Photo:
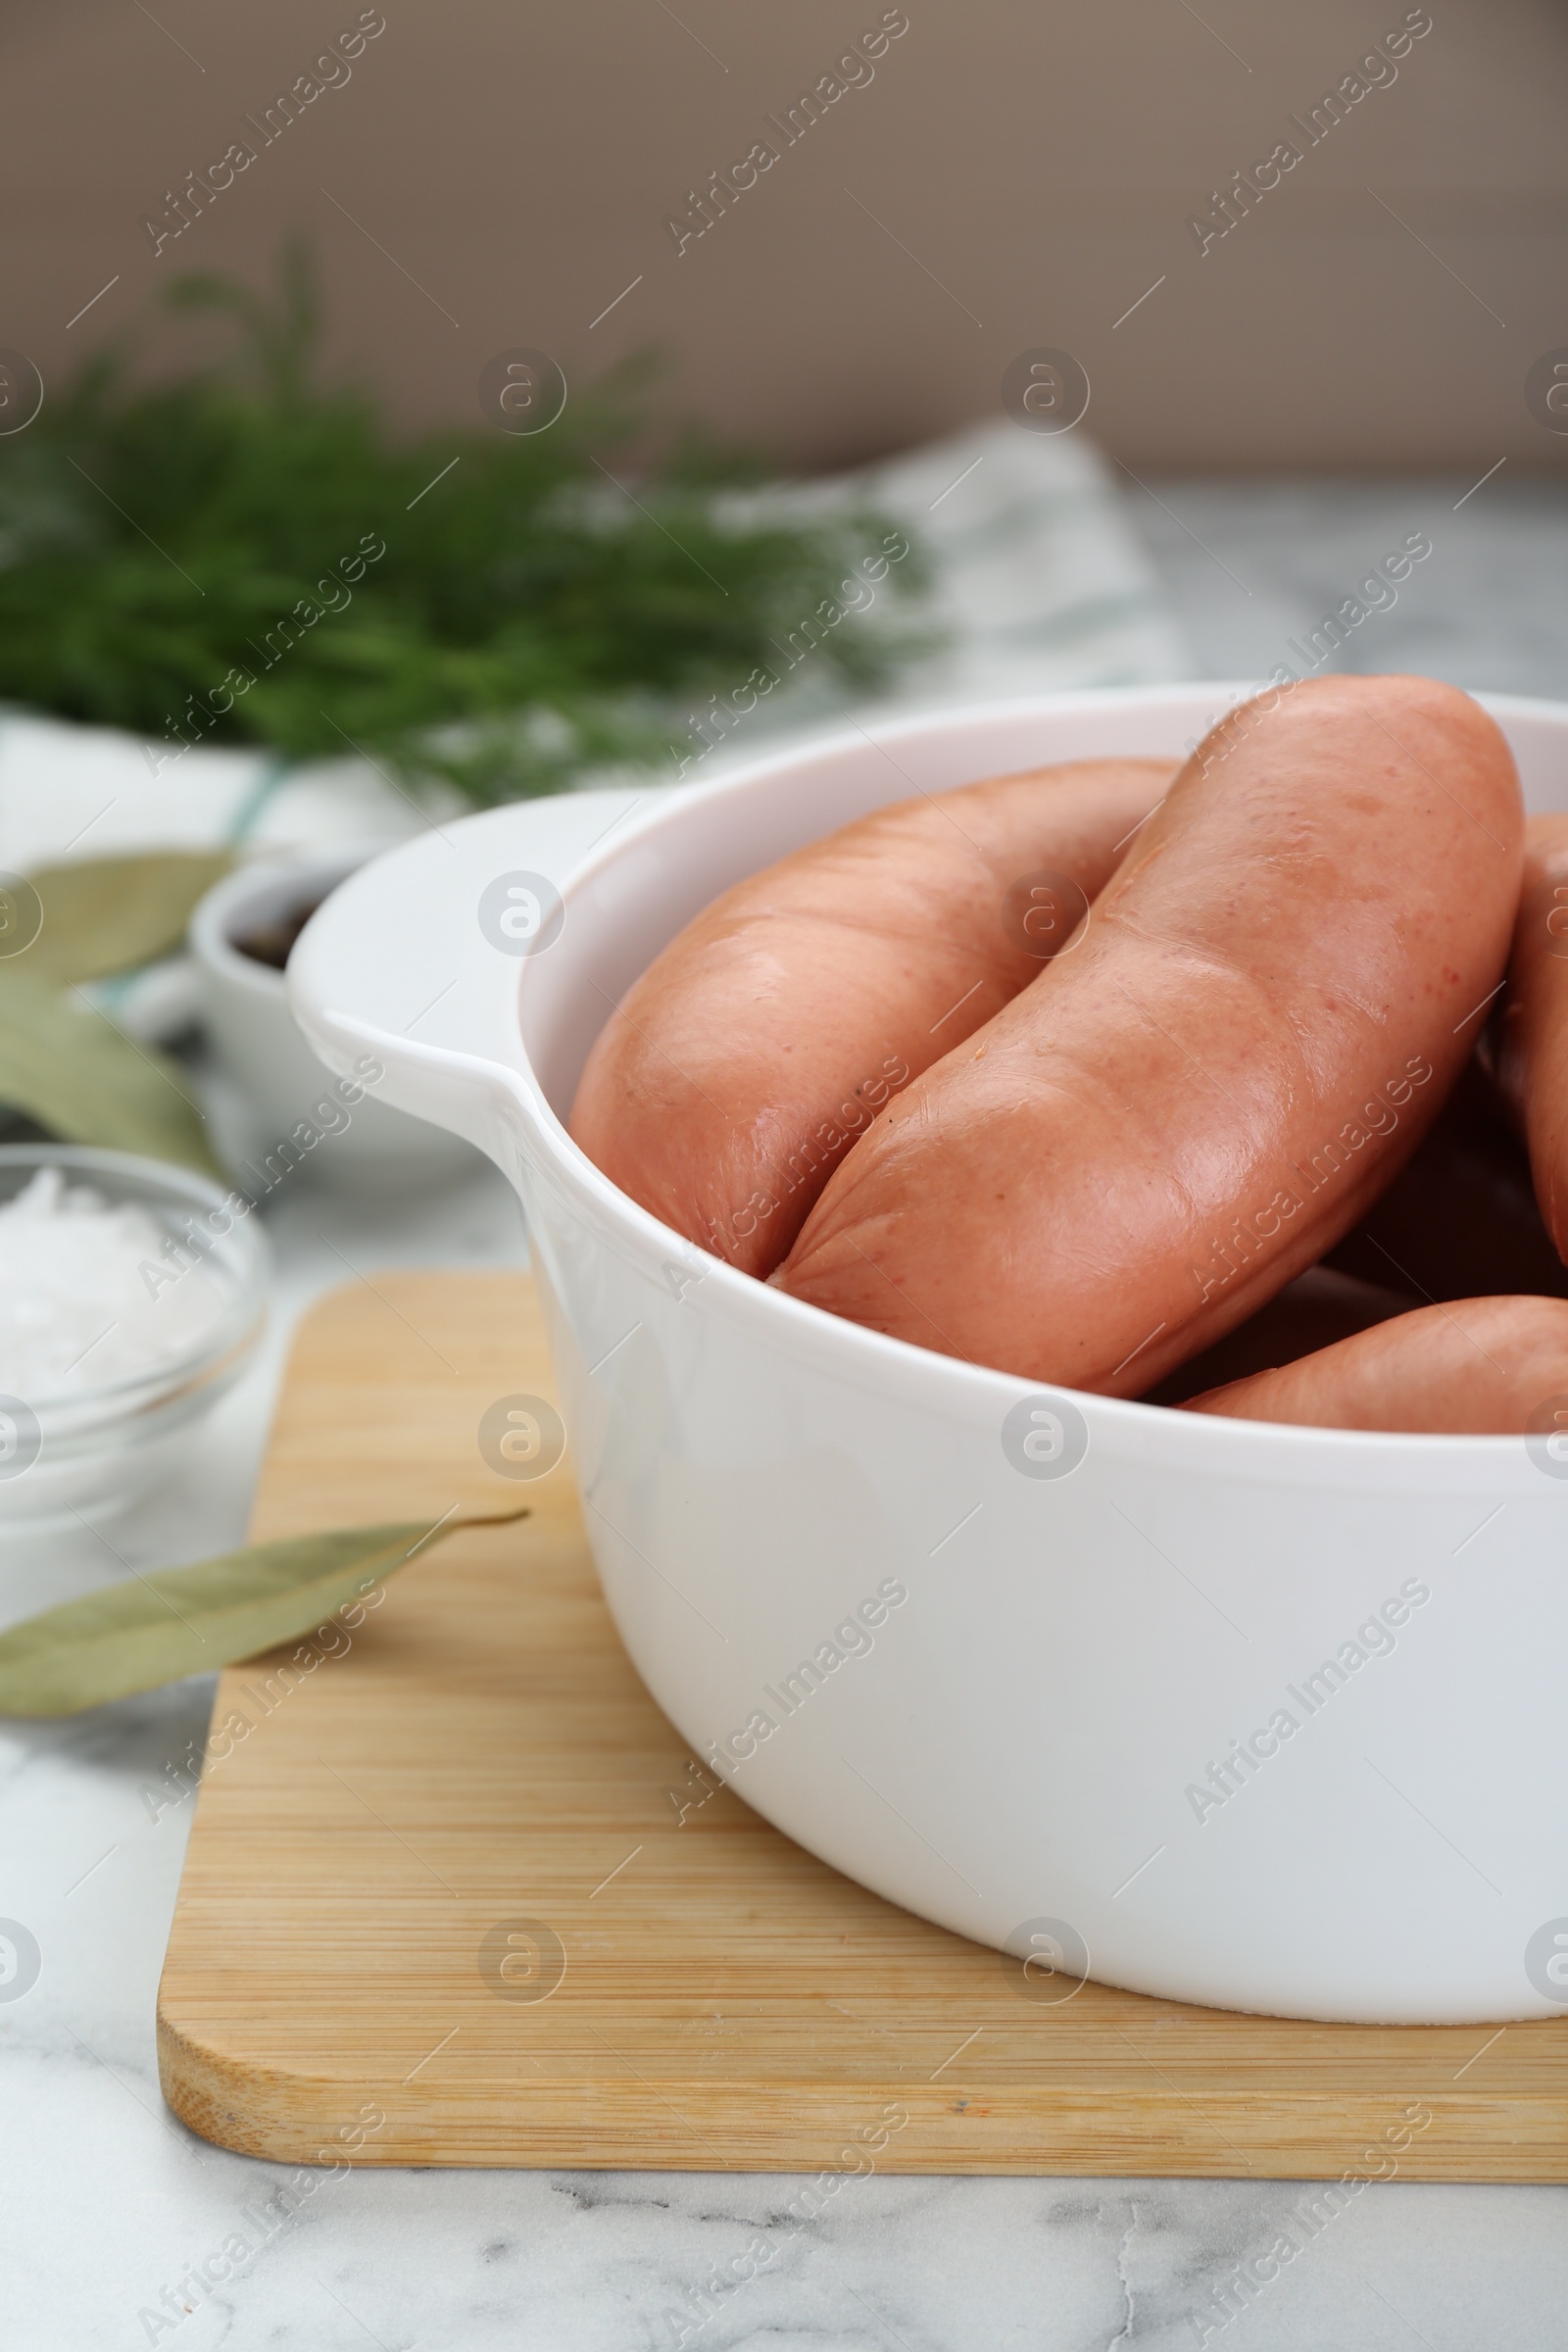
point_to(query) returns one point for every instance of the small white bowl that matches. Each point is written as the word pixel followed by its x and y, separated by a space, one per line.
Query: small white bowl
pixel 287 1114
pixel 86 1451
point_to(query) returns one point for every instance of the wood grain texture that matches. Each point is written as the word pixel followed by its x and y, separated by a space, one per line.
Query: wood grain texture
pixel 481 1753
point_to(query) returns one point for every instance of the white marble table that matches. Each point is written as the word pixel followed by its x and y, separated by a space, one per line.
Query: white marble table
pixel 107 2202
pixel 1251 565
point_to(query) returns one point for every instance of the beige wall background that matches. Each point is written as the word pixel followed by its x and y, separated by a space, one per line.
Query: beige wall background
pixel 1012 176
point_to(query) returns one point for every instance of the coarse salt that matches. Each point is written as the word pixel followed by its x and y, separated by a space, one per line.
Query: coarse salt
pixel 88 1296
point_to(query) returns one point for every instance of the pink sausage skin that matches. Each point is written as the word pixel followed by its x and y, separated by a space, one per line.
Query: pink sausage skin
pixel 1269 1003
pixel 741 1067
pixel 1478 1366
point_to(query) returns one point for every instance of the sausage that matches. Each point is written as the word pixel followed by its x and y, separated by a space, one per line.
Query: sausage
pixel 1271 999
pixel 741 1067
pixel 1478 1365
pixel 1531 1043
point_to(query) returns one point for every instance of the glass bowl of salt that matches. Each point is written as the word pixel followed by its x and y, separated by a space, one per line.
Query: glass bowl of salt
pixel 131 1294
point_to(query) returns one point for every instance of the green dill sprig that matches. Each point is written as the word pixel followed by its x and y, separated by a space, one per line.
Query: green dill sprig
pixel 191 561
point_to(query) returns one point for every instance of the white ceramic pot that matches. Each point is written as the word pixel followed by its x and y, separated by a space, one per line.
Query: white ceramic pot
pixel 279 1095
pixel 1023 1665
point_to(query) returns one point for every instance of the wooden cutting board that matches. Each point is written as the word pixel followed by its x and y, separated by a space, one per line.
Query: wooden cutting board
pixel 465 1878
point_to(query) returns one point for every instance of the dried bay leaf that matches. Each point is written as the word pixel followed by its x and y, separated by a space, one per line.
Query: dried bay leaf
pixel 69 1068
pixel 157 1629
pixel 103 915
